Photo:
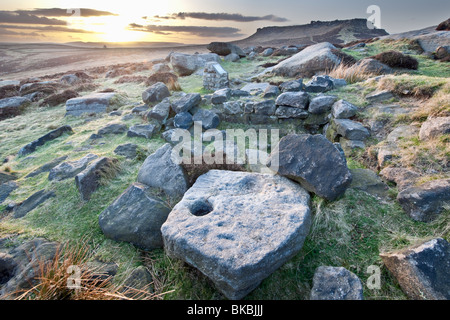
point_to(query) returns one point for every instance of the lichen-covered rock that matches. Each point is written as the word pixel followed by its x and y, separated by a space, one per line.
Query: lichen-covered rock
pixel 422 271
pixel 155 93
pixel 52 135
pixel 92 103
pixel 238 227
pixel 32 202
pixel 11 107
pixel 70 169
pixel 434 128
pixel 332 283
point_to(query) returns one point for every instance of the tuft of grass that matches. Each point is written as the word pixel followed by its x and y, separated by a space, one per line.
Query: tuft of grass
pixel 420 87
pixel 351 73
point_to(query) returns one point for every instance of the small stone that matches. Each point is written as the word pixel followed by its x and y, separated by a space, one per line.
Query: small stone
pixel 332 283
pixel 343 110
pixel 183 120
pixel 155 93
pixel 128 150
pixel 142 131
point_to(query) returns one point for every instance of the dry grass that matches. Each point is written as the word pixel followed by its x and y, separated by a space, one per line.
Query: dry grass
pixel 395 59
pixel 54 278
pixel 351 73
pixel 420 87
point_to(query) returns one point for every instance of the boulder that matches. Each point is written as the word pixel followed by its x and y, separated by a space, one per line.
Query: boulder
pixel 255 88
pixel 368 181
pixel 292 86
pixel 402 177
pixel 422 270
pixel 138 284
pixel 379 96
pixel 350 130
pixel 314 162
pixel 371 66
pixel 293 99
pixel 232 57
pixel 69 79
pixel 11 107
pixel 425 202
pixel 237 227
pixel 187 64
pixel 90 104
pixel 331 283
pixel 224 49
pixel 265 107
pixel 136 216
pixel 160 67
pixel 267 52
pixel 343 110
pixel 183 120
pixel 142 131
pixel 283 112
pixel 221 96
pixel 128 150
pixel 187 102
pixel 32 202
pixel 70 169
pixel 160 112
pixel 52 135
pixel 207 119
pixel 160 171
pixel 155 93
pixel 271 92
pixel 113 128
pixel 319 84
pixel 321 104
pixel 306 63
pixel 434 128
pixel 88 180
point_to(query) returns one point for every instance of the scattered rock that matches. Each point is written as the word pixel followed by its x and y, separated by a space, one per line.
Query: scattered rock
pixel 46 167
pixel 183 120
pixel 160 171
pixel 403 178
pixel 160 67
pixel 292 86
pixel 321 104
pixel 207 119
pixel 268 52
pixel 319 84
pixel 70 169
pixel 271 92
pixel 6 189
pixel 293 99
pixel 266 107
pixel 423 270
pixel 232 57
pixel 314 162
pixel 350 130
pixel 371 66
pixel 128 150
pixel 5 177
pixel 424 203
pixel 221 96
pixel 255 88
pixel 52 135
pixel 59 98
pixel 88 180
pixel 136 216
pixel 11 107
pixel 155 93
pixel 343 110
pixel 380 96
pixel 160 112
pixel 368 181
pixel 434 128
pixel 187 102
pixel 142 131
pixel 70 79
pixel 237 227
pixel 332 283
pixel 32 202
pixel 138 284
pixel 395 59
pixel 113 128
pixel 92 103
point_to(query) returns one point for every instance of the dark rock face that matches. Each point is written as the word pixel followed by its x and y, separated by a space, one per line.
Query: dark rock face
pixel 424 203
pixel 5 177
pixel 31 147
pixel 11 107
pixel 47 167
pixel 160 112
pixel 293 99
pixel 92 103
pixel 331 283
pixel 319 84
pixel 70 169
pixel 183 120
pixel 138 284
pixel 155 93
pixel 321 104
pixel 114 128
pixel 88 180
pixel 135 216
pixel 314 162
pixel 32 202
pixel 423 270
pixel 142 131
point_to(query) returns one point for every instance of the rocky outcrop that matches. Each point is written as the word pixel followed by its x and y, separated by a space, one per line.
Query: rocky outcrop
pixel 70 169
pixel 224 49
pixel 314 162
pixel 434 128
pixel 155 93
pixel 237 228
pixel 90 104
pixel 187 64
pixel 422 270
pixel 32 202
pixel 11 107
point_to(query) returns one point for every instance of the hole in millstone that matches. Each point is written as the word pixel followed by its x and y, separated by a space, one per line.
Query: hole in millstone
pixel 201 207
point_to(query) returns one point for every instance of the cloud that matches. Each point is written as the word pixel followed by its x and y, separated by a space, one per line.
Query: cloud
pixel 192 30
pixel 58 12
pixel 7 32
pixel 46 28
pixel 221 17
pixel 25 18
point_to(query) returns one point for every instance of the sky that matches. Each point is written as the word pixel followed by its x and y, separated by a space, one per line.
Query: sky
pixel 194 21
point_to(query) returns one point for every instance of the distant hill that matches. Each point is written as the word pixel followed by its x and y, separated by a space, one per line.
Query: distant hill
pixel 81 44
pixel 336 32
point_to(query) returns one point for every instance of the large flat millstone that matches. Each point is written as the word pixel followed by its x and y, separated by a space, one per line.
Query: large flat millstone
pixel 238 227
